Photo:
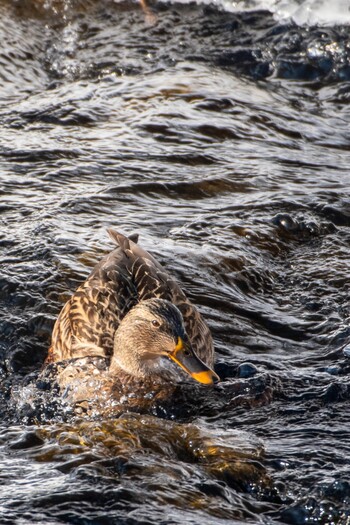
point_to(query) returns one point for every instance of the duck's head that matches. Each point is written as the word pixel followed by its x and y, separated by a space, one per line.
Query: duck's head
pixel 151 331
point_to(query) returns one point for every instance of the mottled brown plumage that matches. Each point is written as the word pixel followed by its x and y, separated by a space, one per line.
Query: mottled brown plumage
pixel 128 275
pixel 132 316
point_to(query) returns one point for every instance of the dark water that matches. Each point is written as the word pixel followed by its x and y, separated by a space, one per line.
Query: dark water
pixel 223 139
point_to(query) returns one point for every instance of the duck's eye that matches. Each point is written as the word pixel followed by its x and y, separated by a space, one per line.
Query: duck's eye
pixel 156 323
pixel 187 353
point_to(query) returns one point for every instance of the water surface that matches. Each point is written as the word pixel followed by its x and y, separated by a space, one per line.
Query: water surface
pixel 222 137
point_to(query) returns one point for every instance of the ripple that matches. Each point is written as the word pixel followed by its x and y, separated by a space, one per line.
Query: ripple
pixel 117 453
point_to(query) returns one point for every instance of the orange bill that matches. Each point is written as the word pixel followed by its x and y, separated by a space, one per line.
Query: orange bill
pixel 184 356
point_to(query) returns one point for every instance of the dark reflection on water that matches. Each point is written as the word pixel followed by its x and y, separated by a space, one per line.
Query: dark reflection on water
pixel 223 140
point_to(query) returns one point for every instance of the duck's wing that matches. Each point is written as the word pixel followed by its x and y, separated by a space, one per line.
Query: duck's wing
pixel 88 321
pixel 151 280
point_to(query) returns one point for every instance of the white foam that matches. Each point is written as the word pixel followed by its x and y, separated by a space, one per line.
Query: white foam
pixel 302 12
pixel 313 12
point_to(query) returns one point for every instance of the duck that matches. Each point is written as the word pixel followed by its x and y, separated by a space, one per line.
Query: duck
pixel 132 325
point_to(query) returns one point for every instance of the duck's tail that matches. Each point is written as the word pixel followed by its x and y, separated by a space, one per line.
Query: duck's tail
pixel 132 250
pixel 121 240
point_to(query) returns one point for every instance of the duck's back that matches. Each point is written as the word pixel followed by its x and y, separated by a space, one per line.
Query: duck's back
pixel 129 274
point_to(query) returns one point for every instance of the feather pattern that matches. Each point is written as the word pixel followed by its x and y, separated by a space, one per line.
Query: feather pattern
pixel 87 323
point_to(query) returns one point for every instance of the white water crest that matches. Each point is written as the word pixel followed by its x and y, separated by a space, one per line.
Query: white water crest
pixel 312 12
pixel 302 12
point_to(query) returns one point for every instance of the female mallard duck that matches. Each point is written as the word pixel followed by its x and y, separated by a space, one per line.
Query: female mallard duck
pixel 133 313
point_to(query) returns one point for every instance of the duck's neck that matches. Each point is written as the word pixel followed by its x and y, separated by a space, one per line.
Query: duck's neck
pixel 125 359
pixel 128 341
